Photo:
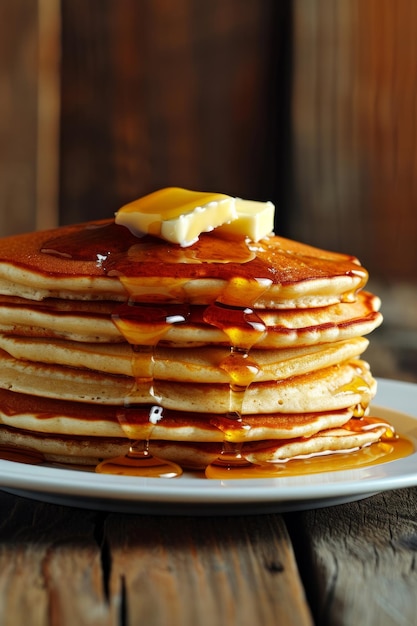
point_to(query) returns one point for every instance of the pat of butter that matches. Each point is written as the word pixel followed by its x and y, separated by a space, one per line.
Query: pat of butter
pixel 177 215
pixel 254 220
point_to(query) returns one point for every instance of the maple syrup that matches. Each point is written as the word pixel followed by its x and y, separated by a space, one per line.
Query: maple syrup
pixel 146 324
pixel 115 251
pixel 242 325
pixel 96 242
pixel 21 455
pixel 154 273
pixel 244 329
pixel 139 462
pixel 240 467
pixel 390 448
pixel 143 326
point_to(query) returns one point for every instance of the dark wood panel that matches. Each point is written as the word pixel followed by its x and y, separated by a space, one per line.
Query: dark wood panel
pixel 167 93
pixel 354 130
pixel 29 114
pixel 18 115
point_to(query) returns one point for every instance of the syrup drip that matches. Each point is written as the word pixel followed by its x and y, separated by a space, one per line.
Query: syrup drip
pixel 244 329
pixel 231 461
pixel 140 462
pixel 368 423
pixel 359 410
pixel 242 371
pixel 143 327
pixel 143 324
pixel 356 386
pixel 242 325
pixel 252 288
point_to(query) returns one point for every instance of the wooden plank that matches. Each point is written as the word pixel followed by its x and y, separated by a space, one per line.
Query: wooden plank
pixel 359 560
pixel 354 140
pixel 48 114
pixel 164 93
pixel 50 566
pixel 71 566
pixel 229 571
pixel 29 115
pixel 64 566
pixel 18 102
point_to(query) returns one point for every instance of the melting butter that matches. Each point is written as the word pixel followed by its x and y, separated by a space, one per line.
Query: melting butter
pixel 177 215
pixel 254 220
pixel 180 216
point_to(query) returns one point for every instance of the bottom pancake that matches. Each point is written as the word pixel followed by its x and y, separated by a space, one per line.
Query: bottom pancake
pixel 82 433
pixel 89 451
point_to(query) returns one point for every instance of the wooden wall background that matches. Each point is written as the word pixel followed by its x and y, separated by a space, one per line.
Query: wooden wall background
pixel 158 93
pixel 354 113
pixel 311 103
pixel 29 114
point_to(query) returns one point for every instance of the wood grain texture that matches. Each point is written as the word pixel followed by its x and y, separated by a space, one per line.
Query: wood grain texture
pixel 48 113
pixel 65 566
pixel 29 115
pixel 164 93
pixel 204 571
pixel 18 123
pixel 359 560
pixel 354 130
pixel 50 566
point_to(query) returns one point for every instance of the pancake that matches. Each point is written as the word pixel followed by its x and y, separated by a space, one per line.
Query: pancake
pixel 103 261
pixel 110 337
pixel 90 451
pixel 193 441
pixel 59 417
pixel 179 364
pixel 91 321
pixel 318 390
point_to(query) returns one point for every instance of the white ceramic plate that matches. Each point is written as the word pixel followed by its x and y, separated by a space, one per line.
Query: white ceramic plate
pixel 191 494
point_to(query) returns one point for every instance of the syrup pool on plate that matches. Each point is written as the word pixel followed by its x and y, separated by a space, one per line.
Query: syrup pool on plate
pixel 391 448
pixel 139 462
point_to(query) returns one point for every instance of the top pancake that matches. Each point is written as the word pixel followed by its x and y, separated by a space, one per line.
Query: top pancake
pixel 104 261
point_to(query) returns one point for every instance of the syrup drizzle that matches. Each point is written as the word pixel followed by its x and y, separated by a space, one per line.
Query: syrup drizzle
pixel 119 253
pixel 244 329
pixel 143 326
pixel 389 448
pixel 245 269
pixel 357 385
pixel 21 455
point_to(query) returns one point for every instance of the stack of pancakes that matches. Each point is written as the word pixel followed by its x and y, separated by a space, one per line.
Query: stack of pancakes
pixel 108 338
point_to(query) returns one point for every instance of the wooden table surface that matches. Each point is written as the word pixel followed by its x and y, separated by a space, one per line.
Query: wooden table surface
pixel 352 564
